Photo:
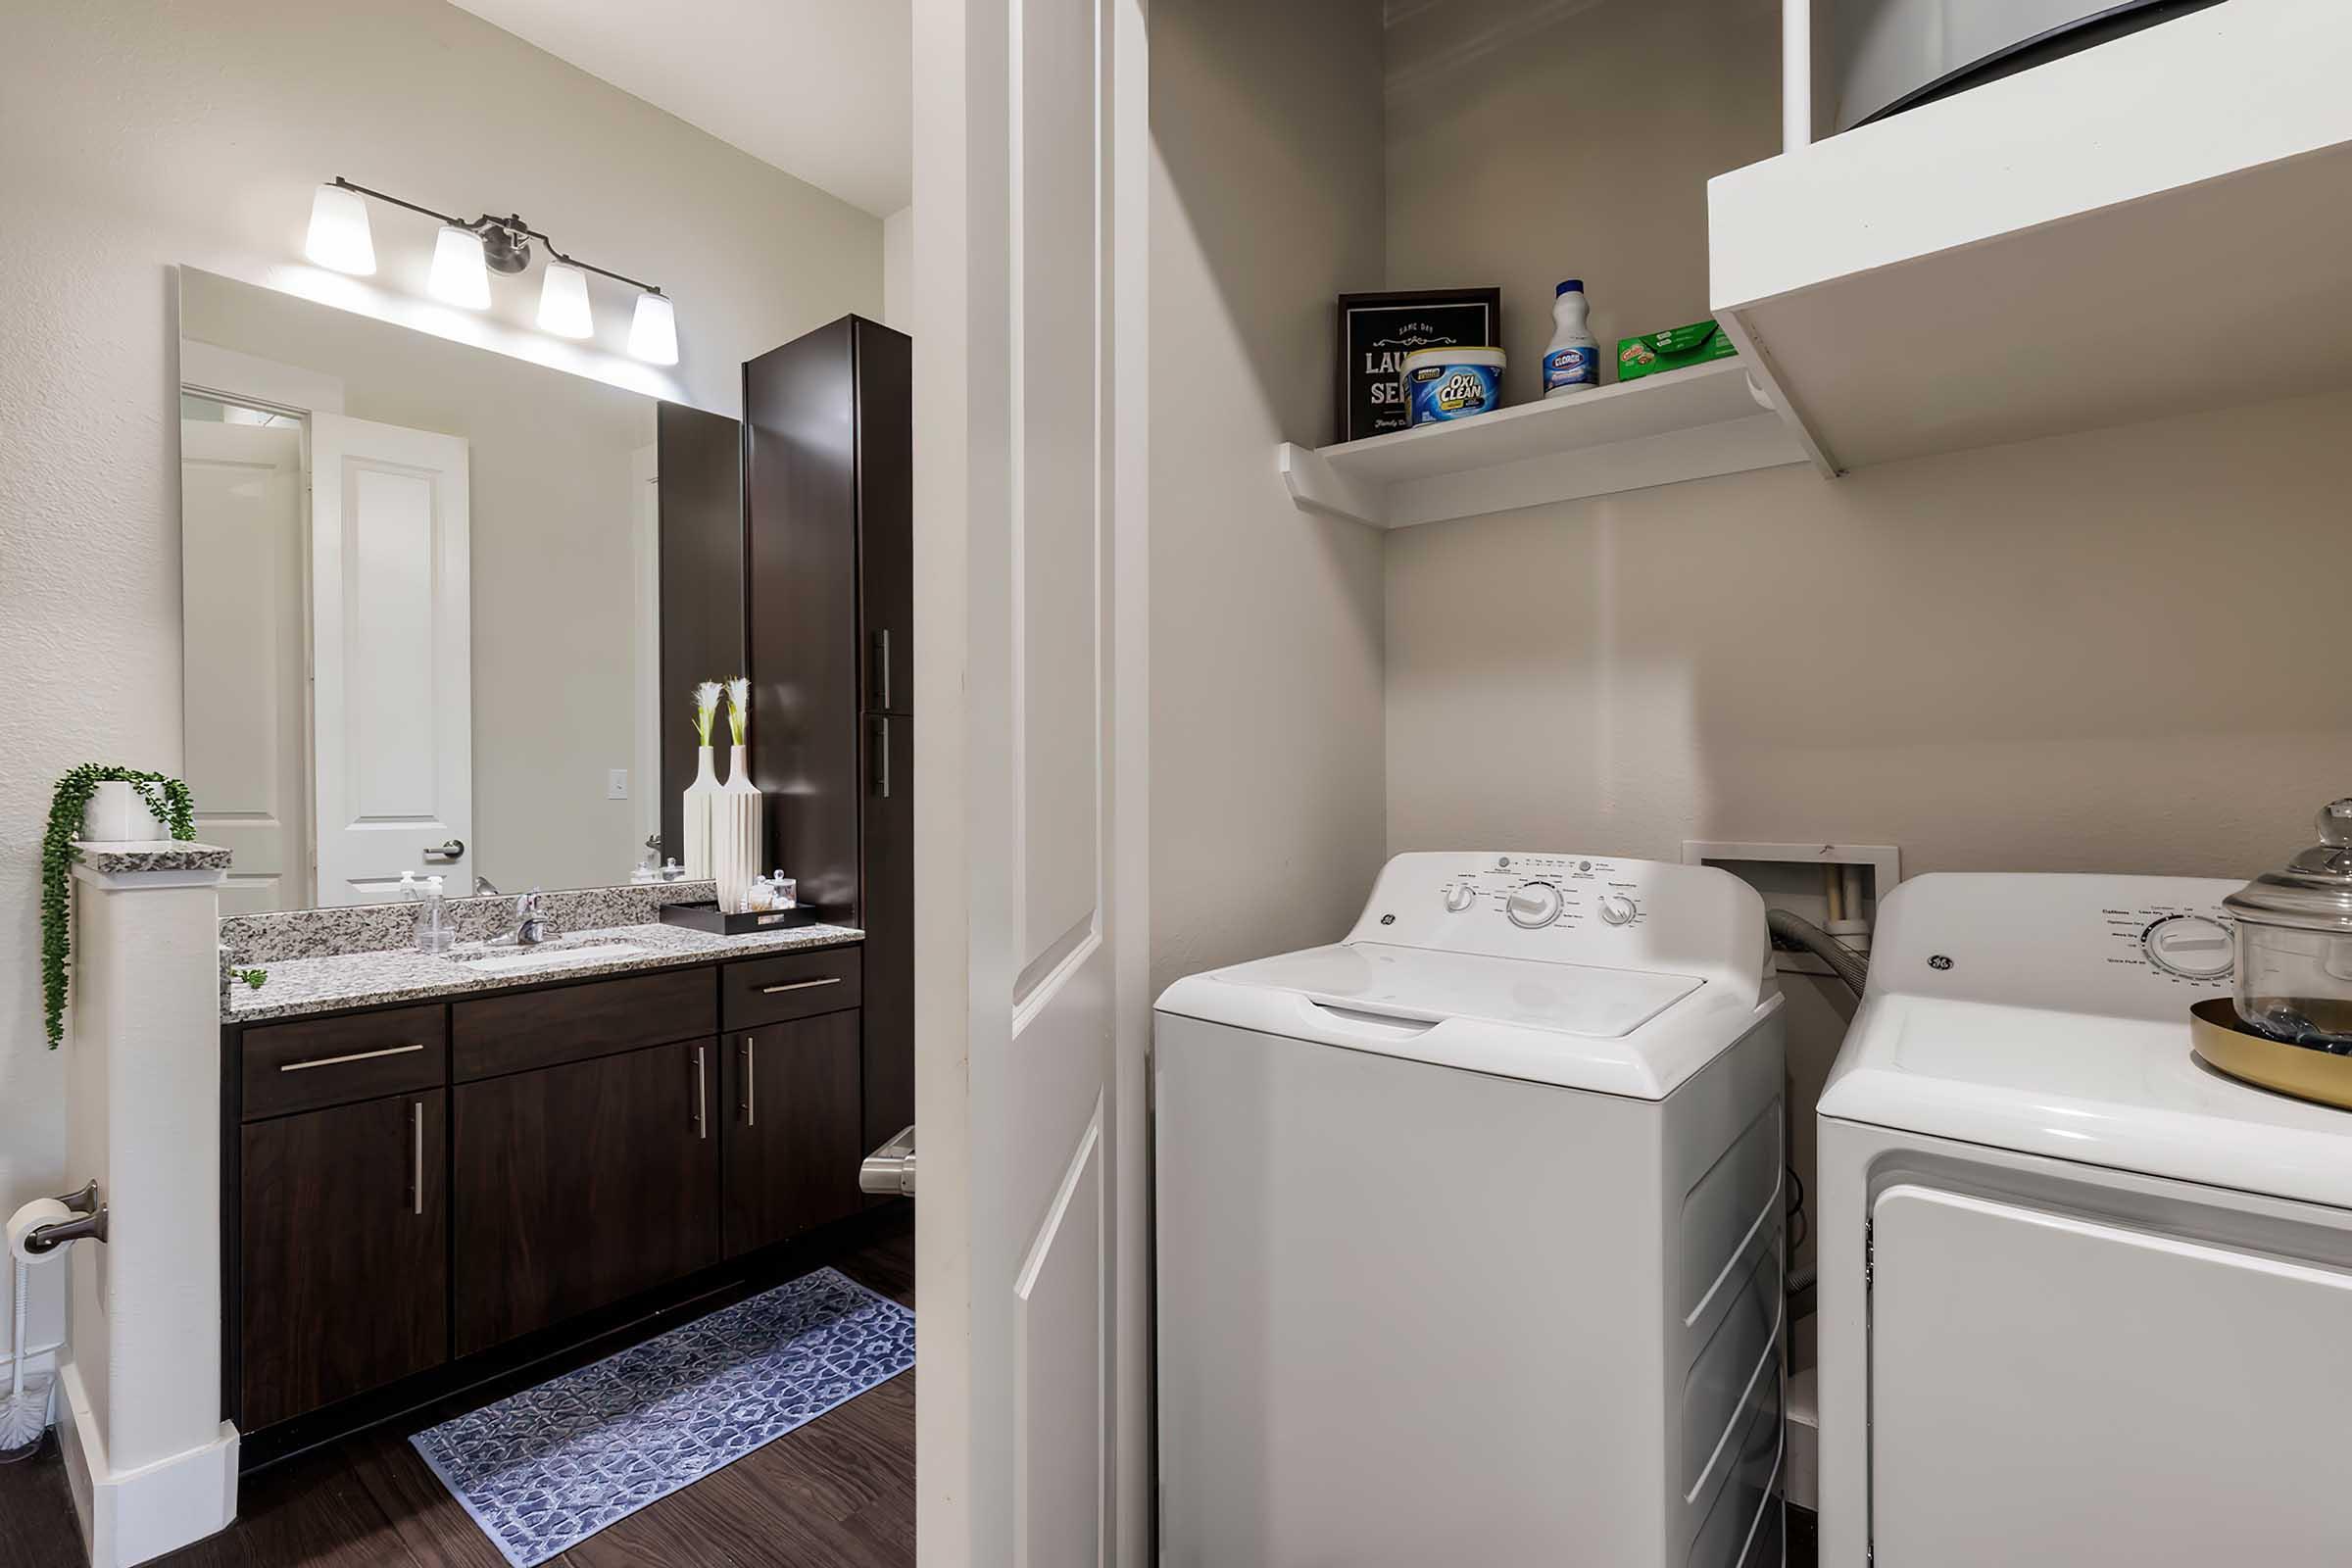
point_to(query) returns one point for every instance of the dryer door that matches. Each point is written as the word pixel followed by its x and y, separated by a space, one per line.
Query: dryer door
pixel 2047 1389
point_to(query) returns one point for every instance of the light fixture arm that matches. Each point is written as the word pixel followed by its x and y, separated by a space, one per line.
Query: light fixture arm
pixel 511 223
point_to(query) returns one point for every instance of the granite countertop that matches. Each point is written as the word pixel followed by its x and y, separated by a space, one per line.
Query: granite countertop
pixel 297 986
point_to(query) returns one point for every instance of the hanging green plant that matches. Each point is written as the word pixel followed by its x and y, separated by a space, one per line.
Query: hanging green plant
pixel 168 797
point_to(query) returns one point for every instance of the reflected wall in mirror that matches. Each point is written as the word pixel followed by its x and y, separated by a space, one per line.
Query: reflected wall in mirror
pixel 423 586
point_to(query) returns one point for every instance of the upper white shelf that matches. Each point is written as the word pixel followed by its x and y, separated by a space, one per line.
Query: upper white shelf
pixel 2155 226
pixel 1683 424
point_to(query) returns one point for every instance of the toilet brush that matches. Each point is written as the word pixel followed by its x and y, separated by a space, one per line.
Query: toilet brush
pixel 24 1417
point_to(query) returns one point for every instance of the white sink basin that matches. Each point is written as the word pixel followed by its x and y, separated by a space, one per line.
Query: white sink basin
pixel 527 960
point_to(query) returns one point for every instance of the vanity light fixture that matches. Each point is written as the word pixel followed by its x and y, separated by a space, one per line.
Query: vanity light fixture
pixel 466 254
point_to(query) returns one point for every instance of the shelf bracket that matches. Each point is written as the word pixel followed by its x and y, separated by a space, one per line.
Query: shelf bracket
pixel 1315 487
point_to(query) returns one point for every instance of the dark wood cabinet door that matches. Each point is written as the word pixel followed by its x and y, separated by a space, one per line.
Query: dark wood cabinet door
pixel 794 1134
pixel 343 1252
pixel 577 1186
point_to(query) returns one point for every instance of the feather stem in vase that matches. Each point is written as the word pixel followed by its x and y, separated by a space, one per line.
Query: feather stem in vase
pixel 739 707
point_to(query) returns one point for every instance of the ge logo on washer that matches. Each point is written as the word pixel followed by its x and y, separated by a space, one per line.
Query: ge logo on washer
pixel 1938 961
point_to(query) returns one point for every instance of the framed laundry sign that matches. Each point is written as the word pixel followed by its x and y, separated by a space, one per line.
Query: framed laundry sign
pixel 1378 330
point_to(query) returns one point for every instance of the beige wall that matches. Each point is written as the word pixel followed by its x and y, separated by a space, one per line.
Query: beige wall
pixel 2097 652
pixel 138 134
pixel 1532 140
pixel 1266 791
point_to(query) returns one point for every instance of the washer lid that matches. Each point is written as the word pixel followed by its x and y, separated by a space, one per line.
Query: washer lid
pixel 1631 1032
pixel 1421 984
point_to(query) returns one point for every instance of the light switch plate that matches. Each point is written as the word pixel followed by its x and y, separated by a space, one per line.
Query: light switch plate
pixel 617 785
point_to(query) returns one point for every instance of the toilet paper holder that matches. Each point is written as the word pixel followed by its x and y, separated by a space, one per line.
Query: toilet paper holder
pixel 89 1220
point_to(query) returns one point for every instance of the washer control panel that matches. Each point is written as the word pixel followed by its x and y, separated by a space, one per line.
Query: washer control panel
pixel 1535 892
pixel 1603 912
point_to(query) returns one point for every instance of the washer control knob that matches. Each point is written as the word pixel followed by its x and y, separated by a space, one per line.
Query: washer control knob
pixel 1534 905
pixel 1618 909
pixel 2194 946
pixel 1459 898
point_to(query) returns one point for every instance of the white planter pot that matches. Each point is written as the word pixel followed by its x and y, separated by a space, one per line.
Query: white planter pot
pixel 116 815
pixel 695 825
pixel 738 833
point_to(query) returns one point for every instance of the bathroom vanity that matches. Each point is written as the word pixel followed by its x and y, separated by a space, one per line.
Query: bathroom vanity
pixel 433 1173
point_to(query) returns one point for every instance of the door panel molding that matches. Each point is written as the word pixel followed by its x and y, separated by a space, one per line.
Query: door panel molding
pixel 1059 1398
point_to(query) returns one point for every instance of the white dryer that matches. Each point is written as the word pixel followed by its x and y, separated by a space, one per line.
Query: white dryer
pixel 1469 1229
pixel 2082 1299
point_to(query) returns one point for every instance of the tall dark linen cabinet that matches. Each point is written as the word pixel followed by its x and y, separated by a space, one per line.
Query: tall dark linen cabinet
pixel 828 451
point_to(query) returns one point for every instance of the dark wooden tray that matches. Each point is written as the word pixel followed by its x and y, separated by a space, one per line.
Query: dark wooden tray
pixel 708 917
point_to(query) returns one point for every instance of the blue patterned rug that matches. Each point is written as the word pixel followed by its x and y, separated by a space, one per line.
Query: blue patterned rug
pixel 545 1469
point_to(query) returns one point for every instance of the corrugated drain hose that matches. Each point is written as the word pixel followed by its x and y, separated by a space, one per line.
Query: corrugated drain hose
pixel 1796 932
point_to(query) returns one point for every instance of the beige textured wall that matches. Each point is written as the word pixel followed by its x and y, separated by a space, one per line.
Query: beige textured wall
pixel 1266 702
pixel 2096 653
pixel 141 133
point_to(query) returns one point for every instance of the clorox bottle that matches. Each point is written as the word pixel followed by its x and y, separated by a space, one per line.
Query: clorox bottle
pixel 1572 358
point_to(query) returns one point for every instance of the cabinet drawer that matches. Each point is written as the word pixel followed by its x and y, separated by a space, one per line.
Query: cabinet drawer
pixel 332 1061
pixel 790 985
pixel 573 1023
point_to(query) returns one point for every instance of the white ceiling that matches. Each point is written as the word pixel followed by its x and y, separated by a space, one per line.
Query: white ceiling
pixel 819 88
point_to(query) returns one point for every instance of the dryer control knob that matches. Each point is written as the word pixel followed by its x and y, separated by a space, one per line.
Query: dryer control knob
pixel 1618 909
pixel 2193 946
pixel 1460 897
pixel 1534 905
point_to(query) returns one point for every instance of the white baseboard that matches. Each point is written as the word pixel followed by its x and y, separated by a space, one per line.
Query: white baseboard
pixel 133 1516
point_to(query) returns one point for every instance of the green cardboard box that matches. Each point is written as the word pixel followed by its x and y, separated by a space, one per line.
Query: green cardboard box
pixel 1673 349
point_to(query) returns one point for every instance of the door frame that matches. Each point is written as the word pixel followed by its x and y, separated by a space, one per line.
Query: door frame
pixel 965 263
pixel 228 375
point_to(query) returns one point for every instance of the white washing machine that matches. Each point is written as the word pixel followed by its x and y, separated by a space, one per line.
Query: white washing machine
pixel 1469 1229
pixel 2083 1299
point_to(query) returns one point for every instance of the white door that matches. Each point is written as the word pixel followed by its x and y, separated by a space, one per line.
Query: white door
pixel 248 704
pixel 392 696
pixel 2050 1388
pixel 1033 1011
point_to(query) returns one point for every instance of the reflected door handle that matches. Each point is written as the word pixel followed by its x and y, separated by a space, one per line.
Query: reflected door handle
pixel 454 850
pixel 890 1170
pixel 882 758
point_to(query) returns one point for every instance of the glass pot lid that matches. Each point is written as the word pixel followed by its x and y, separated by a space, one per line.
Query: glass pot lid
pixel 2314 892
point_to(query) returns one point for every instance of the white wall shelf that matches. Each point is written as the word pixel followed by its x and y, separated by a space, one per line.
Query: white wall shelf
pixel 2061 250
pixel 1683 424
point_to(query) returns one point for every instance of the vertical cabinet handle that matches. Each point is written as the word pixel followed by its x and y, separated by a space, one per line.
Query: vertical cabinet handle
pixel 417 1158
pixel 751 1084
pixel 882 758
pixel 882 670
pixel 702 1122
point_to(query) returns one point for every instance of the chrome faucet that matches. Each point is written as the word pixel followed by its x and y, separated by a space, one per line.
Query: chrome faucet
pixel 530 926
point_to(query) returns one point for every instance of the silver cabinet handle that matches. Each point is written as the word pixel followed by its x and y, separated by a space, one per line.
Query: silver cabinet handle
pixel 454 850
pixel 417 1170
pixel 702 1120
pixel 338 1061
pixel 882 758
pixel 890 1170
pixel 801 985
pixel 882 670
pixel 751 1084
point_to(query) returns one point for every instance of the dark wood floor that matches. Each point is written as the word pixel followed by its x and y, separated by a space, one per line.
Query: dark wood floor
pixel 837 1491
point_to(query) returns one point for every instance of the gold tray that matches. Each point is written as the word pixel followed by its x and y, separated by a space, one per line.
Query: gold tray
pixel 2302 1072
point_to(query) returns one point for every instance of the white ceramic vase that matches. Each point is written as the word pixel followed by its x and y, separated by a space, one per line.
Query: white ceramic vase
pixel 116 815
pixel 699 797
pixel 738 833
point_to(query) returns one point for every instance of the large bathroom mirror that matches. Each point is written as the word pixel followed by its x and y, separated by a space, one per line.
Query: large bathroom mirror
pixel 423 605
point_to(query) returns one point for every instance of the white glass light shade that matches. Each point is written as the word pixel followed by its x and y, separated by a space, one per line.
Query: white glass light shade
pixel 461 276
pixel 564 302
pixel 339 236
pixel 653 331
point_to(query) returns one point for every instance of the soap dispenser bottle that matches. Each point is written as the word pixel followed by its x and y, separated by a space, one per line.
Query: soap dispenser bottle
pixel 434 933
